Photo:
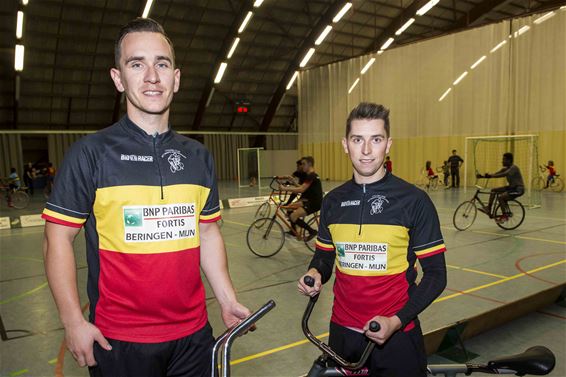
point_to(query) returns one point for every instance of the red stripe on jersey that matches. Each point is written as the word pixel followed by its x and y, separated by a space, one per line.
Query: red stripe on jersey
pixel 212 220
pixel 442 250
pixel 357 299
pixel 150 298
pixel 60 222
pixel 318 247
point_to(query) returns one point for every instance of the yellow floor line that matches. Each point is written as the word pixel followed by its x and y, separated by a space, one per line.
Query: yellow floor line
pixel 540 239
pixel 19 372
pixel 274 350
pixel 52 361
pixel 236 223
pixel 510 235
pixel 476 271
pixel 31 291
pixel 301 342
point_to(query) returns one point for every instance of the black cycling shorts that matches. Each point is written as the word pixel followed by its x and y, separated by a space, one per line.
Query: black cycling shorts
pixel 311 207
pixel 515 192
pixel 403 355
pixel 190 356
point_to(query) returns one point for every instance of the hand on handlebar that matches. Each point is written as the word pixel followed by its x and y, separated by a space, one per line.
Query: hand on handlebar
pixel 389 325
pixel 307 287
pixel 234 313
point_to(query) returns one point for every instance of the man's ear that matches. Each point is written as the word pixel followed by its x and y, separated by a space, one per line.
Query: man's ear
pixel 345 145
pixel 117 78
pixel 177 80
pixel 389 142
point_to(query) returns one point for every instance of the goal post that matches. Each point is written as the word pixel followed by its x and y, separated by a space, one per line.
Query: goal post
pixel 483 154
pixel 249 167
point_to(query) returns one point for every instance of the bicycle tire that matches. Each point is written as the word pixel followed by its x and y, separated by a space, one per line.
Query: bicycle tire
pixel 20 199
pixel 264 210
pixel 266 238
pixel 557 185
pixel 313 223
pixel 538 183
pixel 465 215
pixel 434 184
pixel 515 219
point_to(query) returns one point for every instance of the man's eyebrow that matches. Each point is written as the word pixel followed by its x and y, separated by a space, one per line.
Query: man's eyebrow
pixel 362 136
pixel 163 57
pixel 132 58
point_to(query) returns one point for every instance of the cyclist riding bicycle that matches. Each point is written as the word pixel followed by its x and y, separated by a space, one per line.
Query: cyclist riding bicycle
pixel 13 184
pixel 296 179
pixel 513 190
pixel 374 228
pixel 551 173
pixel 311 197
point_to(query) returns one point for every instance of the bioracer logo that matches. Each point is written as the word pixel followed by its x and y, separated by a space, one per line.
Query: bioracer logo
pixel 349 203
pixel 135 157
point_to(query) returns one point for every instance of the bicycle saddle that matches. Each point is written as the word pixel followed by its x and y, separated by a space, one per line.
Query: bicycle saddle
pixel 537 360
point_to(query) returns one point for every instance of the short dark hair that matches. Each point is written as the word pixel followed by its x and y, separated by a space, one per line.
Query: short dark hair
pixel 453 150
pixel 368 111
pixel 508 156
pixel 309 159
pixel 138 25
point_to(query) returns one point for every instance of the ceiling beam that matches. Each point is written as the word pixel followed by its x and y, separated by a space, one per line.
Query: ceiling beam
pixel 308 42
pixel 477 13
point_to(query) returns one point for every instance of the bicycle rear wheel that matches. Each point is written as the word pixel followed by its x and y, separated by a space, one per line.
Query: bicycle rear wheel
pixel 264 210
pixel 557 185
pixel 20 199
pixel 538 183
pixel 465 215
pixel 313 223
pixel 265 237
pixel 511 220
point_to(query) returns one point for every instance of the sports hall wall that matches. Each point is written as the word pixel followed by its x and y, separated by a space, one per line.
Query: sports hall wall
pixel 518 89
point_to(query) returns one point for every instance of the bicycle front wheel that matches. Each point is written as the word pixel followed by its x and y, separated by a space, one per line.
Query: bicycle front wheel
pixel 511 220
pixel 538 183
pixel 264 210
pixel 20 199
pixel 265 237
pixel 465 215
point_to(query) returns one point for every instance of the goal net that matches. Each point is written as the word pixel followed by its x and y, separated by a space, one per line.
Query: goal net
pixel 484 155
pixel 249 167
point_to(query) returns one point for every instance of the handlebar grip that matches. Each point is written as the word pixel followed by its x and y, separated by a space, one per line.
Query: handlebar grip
pixel 309 280
pixel 374 326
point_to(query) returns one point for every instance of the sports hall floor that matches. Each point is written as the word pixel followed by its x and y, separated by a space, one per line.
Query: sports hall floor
pixel 487 267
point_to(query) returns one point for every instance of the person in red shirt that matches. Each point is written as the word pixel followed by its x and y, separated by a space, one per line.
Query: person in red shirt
pixel 551 173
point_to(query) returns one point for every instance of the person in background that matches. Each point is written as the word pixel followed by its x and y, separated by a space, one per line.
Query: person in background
pixel 455 162
pixel 446 172
pixel 388 164
pixel 295 179
pixel 29 176
pixel 13 184
pixel 551 173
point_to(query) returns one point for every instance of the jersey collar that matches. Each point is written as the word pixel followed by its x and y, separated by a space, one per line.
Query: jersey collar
pixel 140 134
pixel 380 182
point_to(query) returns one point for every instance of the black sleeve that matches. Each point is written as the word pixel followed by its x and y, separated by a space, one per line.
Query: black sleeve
pixel 325 253
pixel 211 210
pixel 430 287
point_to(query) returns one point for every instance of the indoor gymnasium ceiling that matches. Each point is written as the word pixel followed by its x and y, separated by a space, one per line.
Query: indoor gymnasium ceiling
pixel 65 82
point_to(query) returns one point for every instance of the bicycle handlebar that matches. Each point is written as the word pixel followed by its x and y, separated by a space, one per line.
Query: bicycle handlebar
pixel 374 326
pixel 225 340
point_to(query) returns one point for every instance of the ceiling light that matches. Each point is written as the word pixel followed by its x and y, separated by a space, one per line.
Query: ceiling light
pixel 380 52
pixel 460 78
pixel 19 58
pixel 245 22
pixel 307 57
pixel 354 85
pixel 293 78
pixel 444 95
pixel 544 17
pixel 258 3
pixel 25 2
pixel 498 46
pixel 220 73
pixel 523 30
pixel 428 6
pixel 386 44
pixel 147 8
pixel 478 62
pixel 342 12
pixel 405 26
pixel 323 35
pixel 20 24
pixel 233 48
pixel 366 67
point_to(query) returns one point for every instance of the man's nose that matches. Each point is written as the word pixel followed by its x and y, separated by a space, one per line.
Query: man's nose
pixel 151 75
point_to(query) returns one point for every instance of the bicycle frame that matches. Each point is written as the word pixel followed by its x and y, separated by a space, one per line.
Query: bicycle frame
pixel 490 212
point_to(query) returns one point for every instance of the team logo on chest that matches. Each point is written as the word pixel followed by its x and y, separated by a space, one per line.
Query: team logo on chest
pixel 174 159
pixel 377 202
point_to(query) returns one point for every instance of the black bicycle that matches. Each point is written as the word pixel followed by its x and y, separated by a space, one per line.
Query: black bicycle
pixel 537 361
pixel 507 217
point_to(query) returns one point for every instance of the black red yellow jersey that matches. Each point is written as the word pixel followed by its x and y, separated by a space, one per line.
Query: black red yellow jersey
pixel 141 199
pixel 377 231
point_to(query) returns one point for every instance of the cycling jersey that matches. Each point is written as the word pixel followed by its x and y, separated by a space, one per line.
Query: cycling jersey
pixel 375 232
pixel 140 198
pixel 551 170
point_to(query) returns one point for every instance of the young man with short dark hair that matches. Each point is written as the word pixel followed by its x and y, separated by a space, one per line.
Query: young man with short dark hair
pixel 150 224
pixel 374 228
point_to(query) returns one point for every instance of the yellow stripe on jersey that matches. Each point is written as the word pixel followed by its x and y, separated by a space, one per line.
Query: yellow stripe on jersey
pixel 57 215
pixel 135 220
pixel 209 217
pixel 430 250
pixel 378 250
